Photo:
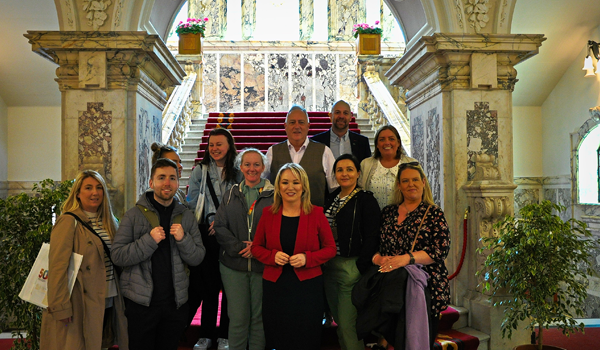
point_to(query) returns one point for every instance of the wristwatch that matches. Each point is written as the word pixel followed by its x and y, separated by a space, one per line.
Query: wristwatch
pixel 412 259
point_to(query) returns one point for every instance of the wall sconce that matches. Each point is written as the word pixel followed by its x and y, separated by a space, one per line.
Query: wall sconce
pixel 588 65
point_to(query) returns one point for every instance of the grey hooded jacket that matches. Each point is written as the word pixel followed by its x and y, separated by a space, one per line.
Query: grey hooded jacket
pixel 133 248
pixel 232 226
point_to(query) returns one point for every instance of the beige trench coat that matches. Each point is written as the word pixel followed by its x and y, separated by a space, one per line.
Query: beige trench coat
pixel 87 303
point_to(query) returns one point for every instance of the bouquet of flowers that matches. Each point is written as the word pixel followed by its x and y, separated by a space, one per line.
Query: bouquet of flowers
pixel 364 28
pixel 192 26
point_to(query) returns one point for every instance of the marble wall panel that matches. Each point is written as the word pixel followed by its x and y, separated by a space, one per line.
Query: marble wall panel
pixel 348 80
pixel 325 81
pixel 95 138
pixel 482 134
pixel 302 80
pixel 278 82
pixel 210 83
pixel 525 196
pixel 230 87
pixel 417 135
pixel 149 130
pixel 254 82
pixel 433 161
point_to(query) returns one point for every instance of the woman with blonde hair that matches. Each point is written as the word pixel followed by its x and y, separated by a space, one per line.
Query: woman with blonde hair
pixel 92 316
pixel 414 236
pixel 293 239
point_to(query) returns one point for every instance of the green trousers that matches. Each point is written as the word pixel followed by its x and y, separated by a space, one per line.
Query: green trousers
pixel 340 275
pixel 244 297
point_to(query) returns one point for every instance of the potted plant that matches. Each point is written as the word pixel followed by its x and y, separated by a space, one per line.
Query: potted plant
pixel 25 223
pixel 542 262
pixel 368 38
pixel 190 33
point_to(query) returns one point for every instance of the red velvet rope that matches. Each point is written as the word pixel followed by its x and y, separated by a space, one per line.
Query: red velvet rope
pixel 464 248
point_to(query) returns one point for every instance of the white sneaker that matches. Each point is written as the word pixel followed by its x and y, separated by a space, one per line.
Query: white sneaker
pixel 222 344
pixel 203 344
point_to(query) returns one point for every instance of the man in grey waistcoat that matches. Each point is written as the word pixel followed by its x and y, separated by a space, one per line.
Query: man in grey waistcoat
pixel 316 158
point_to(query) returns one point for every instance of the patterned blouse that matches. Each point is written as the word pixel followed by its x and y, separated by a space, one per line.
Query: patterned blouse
pixel 382 184
pixel 434 239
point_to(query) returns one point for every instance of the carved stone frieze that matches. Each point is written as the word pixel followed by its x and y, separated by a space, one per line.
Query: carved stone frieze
pixel 503 12
pixel 459 12
pixel 127 55
pixel 477 13
pixel 118 13
pixel 96 12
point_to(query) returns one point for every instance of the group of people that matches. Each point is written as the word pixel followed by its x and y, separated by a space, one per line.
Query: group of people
pixel 283 236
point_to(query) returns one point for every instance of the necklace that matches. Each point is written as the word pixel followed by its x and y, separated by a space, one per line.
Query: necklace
pixel 405 207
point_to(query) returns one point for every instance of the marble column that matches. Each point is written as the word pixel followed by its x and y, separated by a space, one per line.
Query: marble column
pixel 307 19
pixel 113 94
pixel 215 11
pixel 248 18
pixel 460 102
pixel 342 15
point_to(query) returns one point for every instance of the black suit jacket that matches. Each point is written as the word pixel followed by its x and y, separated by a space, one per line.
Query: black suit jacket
pixel 358 143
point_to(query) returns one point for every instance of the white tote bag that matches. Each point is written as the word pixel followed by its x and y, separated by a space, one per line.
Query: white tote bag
pixel 35 289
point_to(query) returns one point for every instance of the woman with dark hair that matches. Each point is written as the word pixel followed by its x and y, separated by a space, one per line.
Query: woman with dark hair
pixel 213 177
pixel 414 236
pixel 293 239
pixel 379 171
pixel 353 215
pixel 160 150
pixel 92 315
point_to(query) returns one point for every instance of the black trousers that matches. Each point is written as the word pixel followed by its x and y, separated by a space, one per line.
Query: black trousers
pixel 155 327
pixel 205 285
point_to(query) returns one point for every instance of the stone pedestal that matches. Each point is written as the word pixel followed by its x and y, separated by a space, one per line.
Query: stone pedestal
pixel 460 101
pixel 113 94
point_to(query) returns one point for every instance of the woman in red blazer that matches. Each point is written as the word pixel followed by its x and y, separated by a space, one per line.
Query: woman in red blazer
pixel 293 239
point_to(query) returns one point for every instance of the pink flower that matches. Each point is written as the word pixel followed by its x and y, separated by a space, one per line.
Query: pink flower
pixel 376 22
pixel 205 19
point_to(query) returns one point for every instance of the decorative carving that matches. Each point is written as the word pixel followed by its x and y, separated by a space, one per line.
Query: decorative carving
pixel 503 15
pixel 459 12
pixel 476 11
pixel 595 112
pixel 96 12
pixel 70 21
pixel 118 12
pixel 485 168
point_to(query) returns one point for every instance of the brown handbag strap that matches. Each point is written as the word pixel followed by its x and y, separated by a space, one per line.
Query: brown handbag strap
pixel 419 230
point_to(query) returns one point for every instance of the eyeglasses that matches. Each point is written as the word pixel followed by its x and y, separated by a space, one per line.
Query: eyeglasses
pixel 405 165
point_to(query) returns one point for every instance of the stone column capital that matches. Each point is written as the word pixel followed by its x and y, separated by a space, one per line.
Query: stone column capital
pixel 446 62
pixel 107 60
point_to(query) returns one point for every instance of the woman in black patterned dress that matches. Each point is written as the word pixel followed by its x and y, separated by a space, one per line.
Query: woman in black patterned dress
pixel 399 225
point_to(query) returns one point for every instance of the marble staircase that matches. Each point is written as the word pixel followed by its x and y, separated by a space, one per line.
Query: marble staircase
pixel 194 138
pixel 462 326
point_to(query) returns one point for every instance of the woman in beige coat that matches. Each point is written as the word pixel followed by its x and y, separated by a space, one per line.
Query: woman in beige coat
pixel 92 317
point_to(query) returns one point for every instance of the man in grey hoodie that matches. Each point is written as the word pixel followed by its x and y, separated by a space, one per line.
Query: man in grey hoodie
pixel 154 241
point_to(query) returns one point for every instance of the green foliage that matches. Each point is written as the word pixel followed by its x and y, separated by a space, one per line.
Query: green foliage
pixel 542 262
pixel 25 223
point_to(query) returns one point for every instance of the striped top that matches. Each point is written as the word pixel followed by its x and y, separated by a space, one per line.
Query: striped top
pixel 329 214
pixel 111 284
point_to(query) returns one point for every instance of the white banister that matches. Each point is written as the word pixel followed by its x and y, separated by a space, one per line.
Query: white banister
pixel 177 115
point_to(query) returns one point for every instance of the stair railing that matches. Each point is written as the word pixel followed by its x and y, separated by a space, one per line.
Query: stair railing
pixel 177 115
pixel 382 108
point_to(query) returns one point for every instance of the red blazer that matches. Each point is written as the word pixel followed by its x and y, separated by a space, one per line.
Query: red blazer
pixel 314 238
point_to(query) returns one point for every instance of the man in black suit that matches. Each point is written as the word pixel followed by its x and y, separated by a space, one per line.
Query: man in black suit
pixel 339 138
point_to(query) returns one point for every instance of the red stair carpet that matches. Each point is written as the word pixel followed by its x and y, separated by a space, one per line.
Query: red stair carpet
pixel 261 129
